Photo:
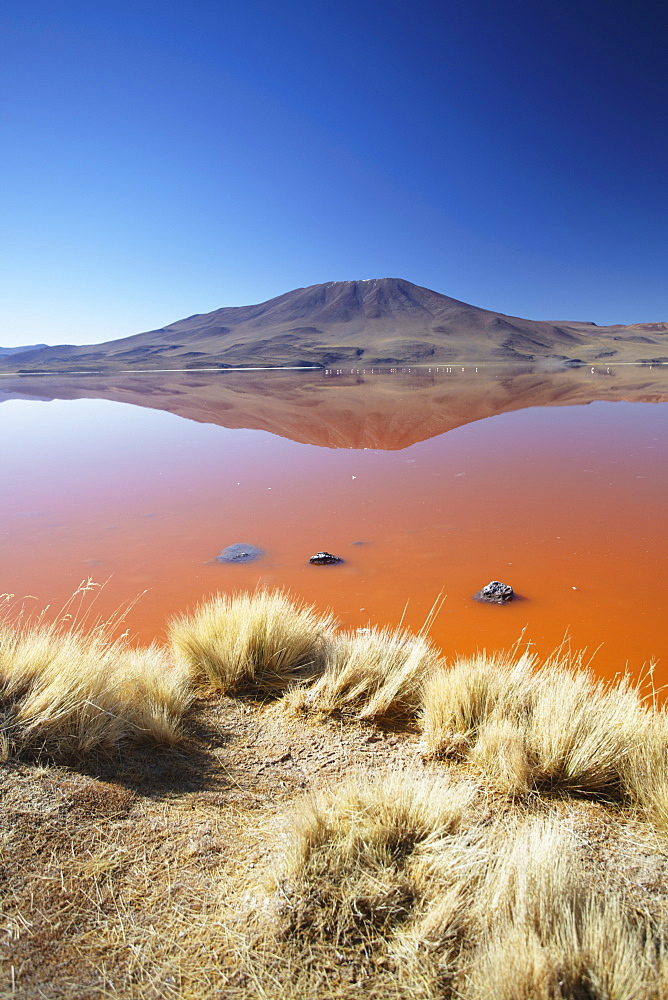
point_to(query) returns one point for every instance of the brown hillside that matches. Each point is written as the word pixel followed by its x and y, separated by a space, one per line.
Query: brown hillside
pixel 382 321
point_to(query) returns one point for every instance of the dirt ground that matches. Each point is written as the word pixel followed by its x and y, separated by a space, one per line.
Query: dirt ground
pixel 125 881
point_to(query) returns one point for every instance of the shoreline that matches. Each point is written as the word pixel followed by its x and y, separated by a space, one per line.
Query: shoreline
pixel 371 369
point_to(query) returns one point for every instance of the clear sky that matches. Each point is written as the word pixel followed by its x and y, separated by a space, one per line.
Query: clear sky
pixel 162 159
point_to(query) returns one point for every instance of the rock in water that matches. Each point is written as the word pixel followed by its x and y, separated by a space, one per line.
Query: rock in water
pixel 239 553
pixel 495 593
pixel 324 559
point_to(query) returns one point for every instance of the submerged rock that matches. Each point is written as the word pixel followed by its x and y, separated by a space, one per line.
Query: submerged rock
pixel 324 559
pixel 239 553
pixel 495 593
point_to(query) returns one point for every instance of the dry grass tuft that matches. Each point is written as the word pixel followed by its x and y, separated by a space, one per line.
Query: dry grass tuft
pixel 548 933
pixel 378 818
pixel 396 883
pixel 502 754
pixel 603 955
pixel 359 856
pixel 372 675
pixel 645 769
pixel 583 732
pixel 549 727
pixel 261 642
pixel 156 693
pixel 459 700
pixel 68 694
pixel 360 861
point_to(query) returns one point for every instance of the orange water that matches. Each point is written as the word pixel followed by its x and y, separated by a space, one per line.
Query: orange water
pixel 566 504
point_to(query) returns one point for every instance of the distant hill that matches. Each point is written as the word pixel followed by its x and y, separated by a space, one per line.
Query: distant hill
pixel 382 321
pixel 7 351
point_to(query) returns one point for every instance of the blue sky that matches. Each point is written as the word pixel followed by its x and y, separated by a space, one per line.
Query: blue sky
pixel 169 158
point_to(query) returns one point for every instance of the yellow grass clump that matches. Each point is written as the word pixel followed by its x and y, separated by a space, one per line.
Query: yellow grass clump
pixel 459 700
pixel 547 931
pixel 69 694
pixel 377 818
pixel 371 675
pixel 645 769
pixel 360 857
pixel 402 879
pixel 260 642
pixel 551 726
pixel 155 693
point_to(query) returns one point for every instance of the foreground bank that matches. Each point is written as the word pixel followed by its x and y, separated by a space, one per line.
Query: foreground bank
pixel 269 807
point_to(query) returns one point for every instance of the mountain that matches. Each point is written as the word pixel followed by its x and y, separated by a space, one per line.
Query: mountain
pixel 7 351
pixel 382 411
pixel 381 321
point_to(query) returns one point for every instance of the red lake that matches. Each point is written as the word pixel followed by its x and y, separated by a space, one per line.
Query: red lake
pixel 425 482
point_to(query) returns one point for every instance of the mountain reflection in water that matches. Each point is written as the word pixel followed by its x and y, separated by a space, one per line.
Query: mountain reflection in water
pixel 565 502
pixel 350 408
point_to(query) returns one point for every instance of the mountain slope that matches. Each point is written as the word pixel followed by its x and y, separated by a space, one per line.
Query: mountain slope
pixel 7 351
pixel 382 321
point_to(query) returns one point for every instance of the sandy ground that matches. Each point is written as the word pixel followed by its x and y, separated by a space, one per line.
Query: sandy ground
pixel 123 881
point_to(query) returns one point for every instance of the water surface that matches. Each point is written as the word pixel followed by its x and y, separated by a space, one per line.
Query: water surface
pixel 424 483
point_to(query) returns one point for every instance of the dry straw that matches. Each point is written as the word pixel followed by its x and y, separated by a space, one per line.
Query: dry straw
pixel 69 692
pixel 546 930
pixel 260 642
pixel 360 856
pixel 553 726
pixel 403 879
pixel 370 675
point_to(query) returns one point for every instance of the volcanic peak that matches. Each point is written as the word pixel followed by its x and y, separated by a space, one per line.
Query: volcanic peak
pixel 342 301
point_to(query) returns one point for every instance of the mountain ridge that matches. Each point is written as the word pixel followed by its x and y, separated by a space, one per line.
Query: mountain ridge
pixel 8 351
pixel 375 321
